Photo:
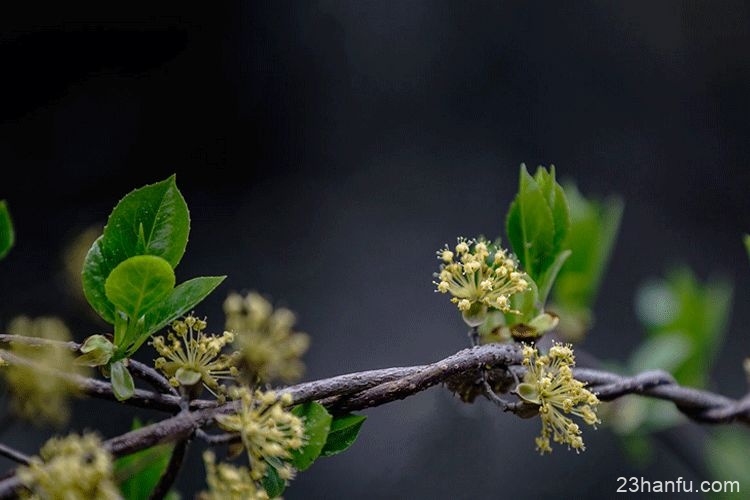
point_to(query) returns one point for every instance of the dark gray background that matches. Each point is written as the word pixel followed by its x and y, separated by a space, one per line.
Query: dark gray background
pixel 327 149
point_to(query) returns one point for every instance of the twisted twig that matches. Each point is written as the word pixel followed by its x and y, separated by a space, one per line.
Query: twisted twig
pixel 357 391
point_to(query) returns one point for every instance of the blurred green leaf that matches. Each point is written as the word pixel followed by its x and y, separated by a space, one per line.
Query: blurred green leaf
pixel 680 305
pixel 317 424
pixel 537 224
pixel 342 434
pixel 139 473
pixel 7 234
pixel 727 457
pixel 666 352
pixel 746 241
pixel 152 220
pixel 272 483
pixel 593 230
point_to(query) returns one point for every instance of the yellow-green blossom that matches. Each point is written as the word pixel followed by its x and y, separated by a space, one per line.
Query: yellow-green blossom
pixel 70 468
pixel 38 395
pixel 271 349
pixel 479 274
pixel 190 356
pixel 228 482
pixel 549 383
pixel 268 431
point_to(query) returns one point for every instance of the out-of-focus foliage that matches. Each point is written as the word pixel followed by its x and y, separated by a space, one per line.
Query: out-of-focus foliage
pixel 138 473
pixel 593 231
pixel 7 235
pixel 727 457
pixel 685 322
pixel 697 312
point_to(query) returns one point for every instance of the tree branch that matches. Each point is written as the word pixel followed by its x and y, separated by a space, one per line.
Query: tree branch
pixel 362 390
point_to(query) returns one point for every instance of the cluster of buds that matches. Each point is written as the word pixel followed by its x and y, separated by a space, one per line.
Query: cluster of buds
pixel 270 348
pixel 227 481
pixel 71 468
pixel 479 275
pixel 550 385
pixel 268 431
pixel 189 356
pixel 39 396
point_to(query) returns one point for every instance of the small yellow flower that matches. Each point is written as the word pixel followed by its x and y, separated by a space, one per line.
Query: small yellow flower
pixel 478 275
pixel 271 349
pixel 38 396
pixel 70 468
pixel 190 356
pixel 549 383
pixel 267 430
pixel 228 482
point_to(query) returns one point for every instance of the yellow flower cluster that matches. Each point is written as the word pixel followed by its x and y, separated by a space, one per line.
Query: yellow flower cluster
pixel 70 468
pixel 549 383
pixel 479 274
pixel 190 356
pixel 228 482
pixel 271 349
pixel 39 396
pixel 267 430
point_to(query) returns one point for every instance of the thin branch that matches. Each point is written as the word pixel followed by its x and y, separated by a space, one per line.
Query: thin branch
pixel 151 376
pixel 138 369
pixel 170 473
pixel 14 454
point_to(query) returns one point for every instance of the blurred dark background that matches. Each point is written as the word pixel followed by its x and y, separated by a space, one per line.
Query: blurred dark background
pixel 327 149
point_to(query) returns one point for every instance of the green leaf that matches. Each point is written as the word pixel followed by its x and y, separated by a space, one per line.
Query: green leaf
pixel 139 473
pixel 550 275
pixel 593 230
pixel 96 269
pixel 122 381
pixel 537 223
pixel 97 351
pixel 699 312
pixel 138 284
pixel 342 434
pixel 317 424
pixel 7 235
pixel 152 220
pixel 272 483
pixel 745 240
pixel 665 352
pixel 183 298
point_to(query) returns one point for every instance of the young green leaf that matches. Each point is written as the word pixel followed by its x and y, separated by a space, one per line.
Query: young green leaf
pixel 138 284
pixel 537 223
pixel 344 431
pixel 122 381
pixel 180 300
pixel 97 351
pixel 139 473
pixel 272 483
pixel 7 235
pixel 593 230
pixel 152 220
pixel 317 424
